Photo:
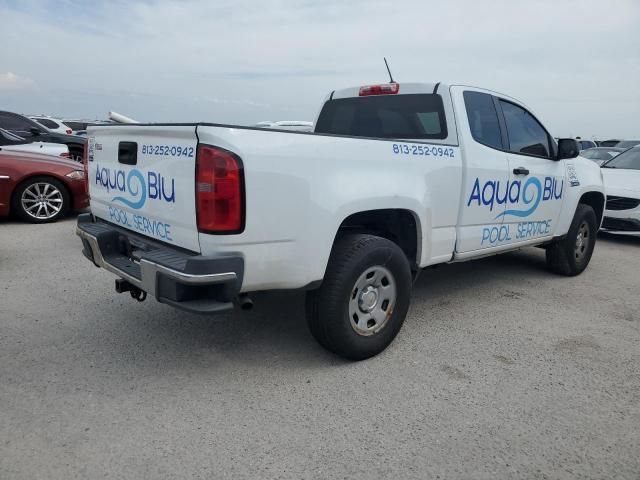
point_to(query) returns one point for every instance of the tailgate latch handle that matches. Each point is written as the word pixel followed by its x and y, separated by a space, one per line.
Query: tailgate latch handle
pixel 128 153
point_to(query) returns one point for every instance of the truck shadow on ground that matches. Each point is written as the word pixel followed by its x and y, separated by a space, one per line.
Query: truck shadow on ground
pixel 275 331
pixel 619 239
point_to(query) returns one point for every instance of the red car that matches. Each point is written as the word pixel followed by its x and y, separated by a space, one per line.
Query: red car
pixel 40 188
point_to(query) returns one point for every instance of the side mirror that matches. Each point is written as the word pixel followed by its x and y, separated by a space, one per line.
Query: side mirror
pixel 567 148
pixel 35 131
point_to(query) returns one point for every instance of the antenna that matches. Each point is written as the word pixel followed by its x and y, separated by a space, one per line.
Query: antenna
pixel 391 80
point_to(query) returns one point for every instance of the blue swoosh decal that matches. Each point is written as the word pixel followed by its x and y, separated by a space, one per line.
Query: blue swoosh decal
pixel 525 213
pixel 141 189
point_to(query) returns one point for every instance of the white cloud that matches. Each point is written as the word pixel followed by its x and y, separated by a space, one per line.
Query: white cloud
pixel 11 81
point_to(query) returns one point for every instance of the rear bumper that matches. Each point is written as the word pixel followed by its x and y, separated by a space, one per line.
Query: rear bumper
pixel 190 282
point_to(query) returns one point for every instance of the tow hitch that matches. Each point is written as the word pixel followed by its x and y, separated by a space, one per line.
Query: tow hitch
pixel 124 286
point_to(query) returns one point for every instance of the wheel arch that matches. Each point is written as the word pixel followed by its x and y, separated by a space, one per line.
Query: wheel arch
pixel 399 225
pixel 595 200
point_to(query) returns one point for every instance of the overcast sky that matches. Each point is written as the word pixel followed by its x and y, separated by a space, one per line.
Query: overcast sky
pixel 575 63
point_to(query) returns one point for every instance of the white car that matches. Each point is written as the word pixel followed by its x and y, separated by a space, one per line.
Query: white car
pixel 52 124
pixel 622 184
pixel 395 178
pixel 601 155
pixel 12 142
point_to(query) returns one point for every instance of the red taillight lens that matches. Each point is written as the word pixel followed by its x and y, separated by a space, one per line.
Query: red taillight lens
pixel 384 89
pixel 65 155
pixel 69 131
pixel 85 167
pixel 219 191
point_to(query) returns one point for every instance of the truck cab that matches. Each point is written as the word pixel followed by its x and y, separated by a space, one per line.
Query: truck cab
pixel 513 189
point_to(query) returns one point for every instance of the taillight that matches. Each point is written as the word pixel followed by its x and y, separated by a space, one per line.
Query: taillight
pixel 384 89
pixel 65 155
pixel 69 131
pixel 85 167
pixel 219 191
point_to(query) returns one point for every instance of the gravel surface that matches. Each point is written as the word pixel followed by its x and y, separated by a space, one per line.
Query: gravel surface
pixel 502 370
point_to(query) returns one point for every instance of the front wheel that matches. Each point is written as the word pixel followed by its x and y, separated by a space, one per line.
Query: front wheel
pixel 571 255
pixel 364 297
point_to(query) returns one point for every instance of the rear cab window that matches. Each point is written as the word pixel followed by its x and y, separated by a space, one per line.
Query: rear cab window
pixel 404 116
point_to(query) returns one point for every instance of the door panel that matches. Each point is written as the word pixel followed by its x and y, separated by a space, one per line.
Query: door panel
pixel 536 179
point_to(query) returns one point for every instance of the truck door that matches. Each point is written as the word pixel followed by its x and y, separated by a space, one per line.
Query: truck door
pixel 536 178
pixel 485 173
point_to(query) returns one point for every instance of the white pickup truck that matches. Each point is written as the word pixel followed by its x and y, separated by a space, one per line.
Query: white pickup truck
pixel 394 178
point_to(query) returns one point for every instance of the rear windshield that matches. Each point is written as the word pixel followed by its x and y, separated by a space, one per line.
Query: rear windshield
pixel 416 116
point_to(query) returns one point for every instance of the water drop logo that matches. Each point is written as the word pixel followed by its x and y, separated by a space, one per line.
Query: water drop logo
pixel 137 188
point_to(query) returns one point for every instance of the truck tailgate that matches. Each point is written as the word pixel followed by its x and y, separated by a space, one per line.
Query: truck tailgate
pixel 143 178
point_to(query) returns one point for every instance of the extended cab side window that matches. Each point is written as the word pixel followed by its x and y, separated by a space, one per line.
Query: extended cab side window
pixel 483 119
pixel 525 133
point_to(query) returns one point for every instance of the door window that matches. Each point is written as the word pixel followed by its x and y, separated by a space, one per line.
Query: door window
pixel 526 135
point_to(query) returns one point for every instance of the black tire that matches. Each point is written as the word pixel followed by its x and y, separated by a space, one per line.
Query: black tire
pixel 76 153
pixel 63 200
pixel 571 255
pixel 352 259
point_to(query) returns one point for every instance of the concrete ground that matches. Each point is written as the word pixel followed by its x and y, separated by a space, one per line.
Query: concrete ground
pixel 502 370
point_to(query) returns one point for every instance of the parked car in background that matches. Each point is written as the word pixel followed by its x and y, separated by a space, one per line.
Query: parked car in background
pixel 601 155
pixel 610 143
pixel 13 143
pixel 52 124
pixel 32 131
pixel 76 125
pixel 40 188
pixel 81 125
pixel 585 144
pixel 293 125
pixel 624 144
pixel 622 185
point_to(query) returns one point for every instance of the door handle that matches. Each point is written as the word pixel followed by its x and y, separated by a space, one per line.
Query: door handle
pixel 521 171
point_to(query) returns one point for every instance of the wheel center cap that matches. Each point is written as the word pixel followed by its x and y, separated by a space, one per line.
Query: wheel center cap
pixel 368 299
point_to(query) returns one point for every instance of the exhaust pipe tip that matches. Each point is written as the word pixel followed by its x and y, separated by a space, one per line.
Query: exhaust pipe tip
pixel 245 302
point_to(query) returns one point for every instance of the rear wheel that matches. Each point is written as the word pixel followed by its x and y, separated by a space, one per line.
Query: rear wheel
pixel 363 300
pixel 41 200
pixel 571 255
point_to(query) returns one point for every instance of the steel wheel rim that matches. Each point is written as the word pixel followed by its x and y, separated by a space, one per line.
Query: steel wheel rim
pixel 372 300
pixel 42 200
pixel 583 240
